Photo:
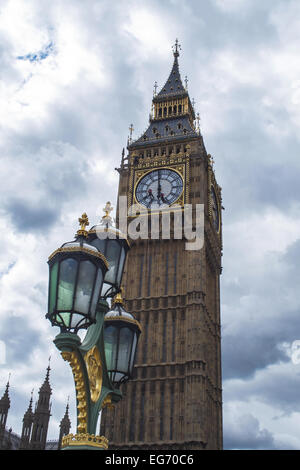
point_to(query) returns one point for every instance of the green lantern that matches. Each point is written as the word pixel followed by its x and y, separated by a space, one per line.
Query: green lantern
pixel 114 246
pixel 121 334
pixel 77 271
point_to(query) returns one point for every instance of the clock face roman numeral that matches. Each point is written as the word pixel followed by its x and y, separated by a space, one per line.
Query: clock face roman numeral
pixel 158 187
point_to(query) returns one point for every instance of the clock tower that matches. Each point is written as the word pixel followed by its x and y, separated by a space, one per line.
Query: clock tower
pixel 174 401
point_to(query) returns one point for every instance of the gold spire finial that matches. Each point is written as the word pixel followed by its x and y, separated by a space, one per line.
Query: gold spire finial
pixel 84 222
pixel 131 129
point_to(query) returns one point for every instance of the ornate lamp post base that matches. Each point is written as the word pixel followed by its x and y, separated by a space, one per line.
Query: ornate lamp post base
pixel 84 441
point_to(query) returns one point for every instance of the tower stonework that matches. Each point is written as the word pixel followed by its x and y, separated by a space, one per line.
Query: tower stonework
pixel 4 408
pixel 27 427
pixel 41 416
pixel 174 401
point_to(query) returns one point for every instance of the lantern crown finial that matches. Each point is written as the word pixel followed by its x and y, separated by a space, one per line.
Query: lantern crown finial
pixel 107 210
pixel 84 222
pixel 118 298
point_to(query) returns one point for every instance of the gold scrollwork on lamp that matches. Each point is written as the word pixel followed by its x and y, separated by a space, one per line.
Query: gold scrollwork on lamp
pixel 94 370
pixel 74 362
pixel 85 439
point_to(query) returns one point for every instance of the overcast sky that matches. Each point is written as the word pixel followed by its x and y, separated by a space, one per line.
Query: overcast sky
pixel 73 76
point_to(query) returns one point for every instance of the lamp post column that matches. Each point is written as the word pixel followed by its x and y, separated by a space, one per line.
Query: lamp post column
pixel 92 384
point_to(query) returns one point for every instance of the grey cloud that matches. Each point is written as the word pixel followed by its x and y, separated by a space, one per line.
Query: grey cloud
pixel 44 182
pixel 19 338
pixel 248 351
pixel 270 318
pixel 245 433
pixel 31 218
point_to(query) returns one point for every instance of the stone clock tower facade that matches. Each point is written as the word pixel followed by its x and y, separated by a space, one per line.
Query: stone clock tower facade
pixel 174 401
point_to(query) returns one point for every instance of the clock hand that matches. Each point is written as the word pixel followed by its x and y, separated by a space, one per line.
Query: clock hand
pixel 150 194
pixel 160 196
pixel 158 185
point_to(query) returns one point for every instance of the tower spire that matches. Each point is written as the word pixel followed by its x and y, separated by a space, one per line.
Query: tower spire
pixel 42 415
pixel 27 425
pixel 173 86
pixel 4 407
pixel 173 114
pixel 65 425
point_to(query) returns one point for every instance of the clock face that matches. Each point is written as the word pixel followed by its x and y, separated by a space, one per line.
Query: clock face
pixel 159 188
pixel 215 209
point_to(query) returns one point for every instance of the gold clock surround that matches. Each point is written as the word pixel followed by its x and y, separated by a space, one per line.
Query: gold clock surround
pixel 176 162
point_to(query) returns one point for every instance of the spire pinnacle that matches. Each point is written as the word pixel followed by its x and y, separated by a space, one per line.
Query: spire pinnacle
pixel 5 400
pixel 176 47
pixel 131 129
pixel 48 369
pixel 186 82
pixel 29 410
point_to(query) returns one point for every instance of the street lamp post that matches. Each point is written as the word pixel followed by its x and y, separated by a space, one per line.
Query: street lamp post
pixel 83 275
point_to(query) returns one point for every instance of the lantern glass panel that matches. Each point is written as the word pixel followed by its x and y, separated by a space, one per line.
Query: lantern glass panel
pixel 134 344
pixel 110 345
pixel 96 294
pixel 85 283
pixel 64 318
pixel 121 265
pixel 67 276
pixel 125 342
pixel 112 256
pixel 100 244
pixel 76 319
pixel 117 377
pixel 53 286
pixel 105 288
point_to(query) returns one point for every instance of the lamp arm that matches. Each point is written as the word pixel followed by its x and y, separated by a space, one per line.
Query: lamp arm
pixel 94 389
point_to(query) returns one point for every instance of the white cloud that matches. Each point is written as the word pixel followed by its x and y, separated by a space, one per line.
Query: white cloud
pixel 150 30
pixel 232 6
